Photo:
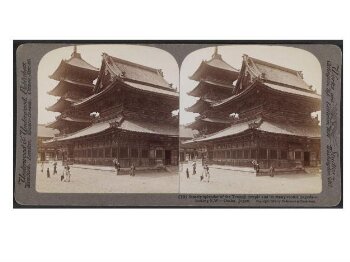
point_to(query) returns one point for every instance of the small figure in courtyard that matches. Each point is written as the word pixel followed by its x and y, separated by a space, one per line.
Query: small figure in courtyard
pixel 116 166
pixel 272 171
pixel 187 173
pixel 194 165
pixel 68 174
pixel 55 168
pixel 256 166
pixel 48 172
pixel 207 174
pixel 63 174
pixel 132 170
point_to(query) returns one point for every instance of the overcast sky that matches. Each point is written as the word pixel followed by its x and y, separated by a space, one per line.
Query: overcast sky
pixel 290 57
pixel 148 56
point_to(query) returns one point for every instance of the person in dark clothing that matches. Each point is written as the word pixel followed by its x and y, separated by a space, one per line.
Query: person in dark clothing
pixel 207 174
pixel 116 166
pixel 187 173
pixel 68 174
pixel 48 173
pixel 256 166
pixel 132 170
pixel 272 171
pixel 55 168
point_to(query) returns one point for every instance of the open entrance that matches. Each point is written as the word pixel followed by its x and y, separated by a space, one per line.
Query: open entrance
pixel 167 157
pixel 306 158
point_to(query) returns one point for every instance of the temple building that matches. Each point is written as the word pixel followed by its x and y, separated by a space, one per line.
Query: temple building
pixel 215 83
pixel 186 134
pixel 273 121
pixel 126 114
pixel 75 78
pixel 46 151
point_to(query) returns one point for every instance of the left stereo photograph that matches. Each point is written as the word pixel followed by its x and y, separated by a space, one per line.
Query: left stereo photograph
pixel 107 120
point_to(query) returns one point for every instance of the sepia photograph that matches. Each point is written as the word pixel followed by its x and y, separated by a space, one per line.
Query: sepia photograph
pixel 178 124
pixel 108 120
pixel 251 115
pixel 134 127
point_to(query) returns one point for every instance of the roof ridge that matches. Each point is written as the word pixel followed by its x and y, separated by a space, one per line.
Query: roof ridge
pixel 283 68
pixel 78 56
pixel 219 57
pixel 155 70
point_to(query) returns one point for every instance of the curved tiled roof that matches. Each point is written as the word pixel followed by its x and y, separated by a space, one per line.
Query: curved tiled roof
pixel 276 74
pixel 269 127
pixel 215 62
pixel 198 106
pixel 279 88
pixel 203 86
pixel 77 62
pixel 65 84
pixel 129 70
pixel 126 125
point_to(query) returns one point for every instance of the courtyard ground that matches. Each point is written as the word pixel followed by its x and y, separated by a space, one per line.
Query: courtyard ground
pixel 84 179
pixel 244 181
pixel 95 179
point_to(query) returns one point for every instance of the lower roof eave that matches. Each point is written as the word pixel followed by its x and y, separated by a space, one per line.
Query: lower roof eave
pixel 122 126
pixel 208 139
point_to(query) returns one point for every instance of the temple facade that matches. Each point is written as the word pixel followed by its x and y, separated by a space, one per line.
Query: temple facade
pixel 126 113
pixel 272 124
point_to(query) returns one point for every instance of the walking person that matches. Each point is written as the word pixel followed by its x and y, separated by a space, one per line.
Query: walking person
pixel 187 173
pixel 207 174
pixel 48 172
pixel 194 165
pixel 272 171
pixel 63 174
pixel 55 168
pixel 132 170
pixel 255 166
pixel 68 174
pixel 116 166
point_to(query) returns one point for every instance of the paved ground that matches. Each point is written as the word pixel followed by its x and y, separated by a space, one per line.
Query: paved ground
pixel 87 180
pixel 245 182
pixel 105 181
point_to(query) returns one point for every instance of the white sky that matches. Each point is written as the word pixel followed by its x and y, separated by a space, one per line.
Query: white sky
pixel 290 57
pixel 144 55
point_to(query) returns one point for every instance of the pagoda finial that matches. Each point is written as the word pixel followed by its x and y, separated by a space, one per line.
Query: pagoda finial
pixel 75 52
pixel 216 53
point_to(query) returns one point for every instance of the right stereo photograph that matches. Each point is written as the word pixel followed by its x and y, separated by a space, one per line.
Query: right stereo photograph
pixel 250 121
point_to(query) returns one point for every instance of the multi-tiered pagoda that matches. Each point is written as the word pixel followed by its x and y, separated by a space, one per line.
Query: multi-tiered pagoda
pixel 131 108
pixel 75 78
pixel 215 83
pixel 274 127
